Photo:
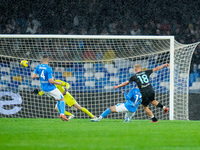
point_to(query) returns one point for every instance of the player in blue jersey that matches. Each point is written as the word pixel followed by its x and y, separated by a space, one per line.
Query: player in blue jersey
pixel 133 100
pixel 48 85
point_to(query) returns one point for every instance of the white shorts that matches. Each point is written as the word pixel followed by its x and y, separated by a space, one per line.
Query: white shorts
pixel 56 94
pixel 121 108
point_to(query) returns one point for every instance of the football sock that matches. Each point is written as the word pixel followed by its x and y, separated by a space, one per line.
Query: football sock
pixel 160 105
pixel 87 112
pixel 67 113
pixel 62 107
pixel 58 105
pixel 154 119
pixel 105 113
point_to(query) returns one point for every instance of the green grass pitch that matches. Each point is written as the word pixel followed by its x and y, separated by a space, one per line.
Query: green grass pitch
pixel 81 134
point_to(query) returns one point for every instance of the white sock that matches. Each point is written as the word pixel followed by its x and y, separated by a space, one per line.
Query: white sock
pixel 163 107
pixel 152 116
pixel 100 117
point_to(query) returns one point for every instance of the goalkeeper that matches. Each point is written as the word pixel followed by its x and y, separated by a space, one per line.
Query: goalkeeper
pixel 69 99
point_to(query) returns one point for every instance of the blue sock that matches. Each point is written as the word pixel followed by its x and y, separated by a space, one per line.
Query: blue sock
pixel 105 113
pixel 58 105
pixel 62 107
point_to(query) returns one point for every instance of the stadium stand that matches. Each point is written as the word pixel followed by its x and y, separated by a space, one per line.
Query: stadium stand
pixel 102 77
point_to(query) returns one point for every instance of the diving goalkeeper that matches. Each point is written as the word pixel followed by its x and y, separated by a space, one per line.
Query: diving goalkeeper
pixel 69 99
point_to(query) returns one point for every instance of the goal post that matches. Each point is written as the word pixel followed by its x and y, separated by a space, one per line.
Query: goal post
pixel 171 102
pixel 93 65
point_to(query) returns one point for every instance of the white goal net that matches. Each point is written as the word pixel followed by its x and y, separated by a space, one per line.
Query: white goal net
pixel 92 65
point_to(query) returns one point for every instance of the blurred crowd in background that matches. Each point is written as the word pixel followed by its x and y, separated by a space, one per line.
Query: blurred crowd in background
pixel 102 17
pixel 180 18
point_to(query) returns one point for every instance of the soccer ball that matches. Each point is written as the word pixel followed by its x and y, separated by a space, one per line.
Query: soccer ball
pixel 24 63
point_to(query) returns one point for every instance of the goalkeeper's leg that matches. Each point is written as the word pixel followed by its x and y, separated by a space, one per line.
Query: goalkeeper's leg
pixel 76 105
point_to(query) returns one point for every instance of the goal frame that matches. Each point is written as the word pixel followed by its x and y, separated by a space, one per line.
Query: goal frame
pixel 172 50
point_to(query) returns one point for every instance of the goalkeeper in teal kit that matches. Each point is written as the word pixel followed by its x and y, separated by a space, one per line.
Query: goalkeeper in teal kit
pixel 133 100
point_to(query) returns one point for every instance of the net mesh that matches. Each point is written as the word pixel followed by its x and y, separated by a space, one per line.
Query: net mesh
pixel 182 61
pixel 92 66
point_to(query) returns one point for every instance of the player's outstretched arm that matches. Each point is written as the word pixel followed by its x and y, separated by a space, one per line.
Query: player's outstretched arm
pixel 34 76
pixel 67 85
pixel 65 91
pixel 54 82
pixel 160 67
pixel 125 95
pixel 64 84
pixel 121 85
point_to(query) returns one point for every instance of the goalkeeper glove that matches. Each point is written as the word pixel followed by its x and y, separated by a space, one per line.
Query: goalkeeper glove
pixel 65 92
pixel 35 91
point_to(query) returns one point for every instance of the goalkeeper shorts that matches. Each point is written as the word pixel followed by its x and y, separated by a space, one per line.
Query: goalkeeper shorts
pixel 69 99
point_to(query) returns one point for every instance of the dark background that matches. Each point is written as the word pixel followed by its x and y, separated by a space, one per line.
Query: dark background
pixel 131 17
pixel 194 113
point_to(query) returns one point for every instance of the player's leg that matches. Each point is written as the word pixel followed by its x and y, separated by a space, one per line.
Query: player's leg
pixel 116 108
pixel 108 111
pixel 128 116
pixel 70 101
pixel 83 109
pixel 146 99
pixel 149 112
pixel 104 114
pixel 66 112
pixel 62 109
pixel 158 104
pixel 60 102
pixel 57 108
